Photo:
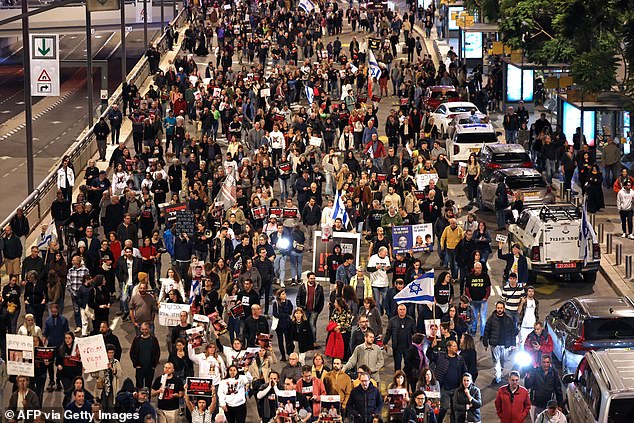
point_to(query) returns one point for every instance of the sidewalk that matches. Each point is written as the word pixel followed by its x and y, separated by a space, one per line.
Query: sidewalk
pixel 126 132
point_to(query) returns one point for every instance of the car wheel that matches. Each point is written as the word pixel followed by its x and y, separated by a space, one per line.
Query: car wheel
pixel 590 277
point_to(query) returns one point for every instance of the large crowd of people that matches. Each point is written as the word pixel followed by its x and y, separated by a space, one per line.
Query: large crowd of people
pixel 191 214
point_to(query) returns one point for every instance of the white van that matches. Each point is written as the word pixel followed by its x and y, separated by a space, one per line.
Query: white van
pixel 550 237
pixel 602 388
pixel 469 138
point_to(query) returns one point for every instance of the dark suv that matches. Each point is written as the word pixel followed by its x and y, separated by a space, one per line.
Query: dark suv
pixel 590 323
pixel 503 156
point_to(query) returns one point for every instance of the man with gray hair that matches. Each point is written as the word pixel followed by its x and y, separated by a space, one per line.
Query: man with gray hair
pixel 378 265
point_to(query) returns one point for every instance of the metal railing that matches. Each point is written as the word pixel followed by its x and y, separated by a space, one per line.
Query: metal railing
pixel 38 203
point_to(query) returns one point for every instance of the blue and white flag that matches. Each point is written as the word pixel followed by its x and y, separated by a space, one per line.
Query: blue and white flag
pixel 194 291
pixel 340 210
pixel 374 71
pixel 49 235
pixel 310 94
pixel 418 291
pixel 307 5
pixel 585 235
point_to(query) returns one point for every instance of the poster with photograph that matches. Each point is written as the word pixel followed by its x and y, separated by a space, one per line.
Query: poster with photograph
pixel 197 339
pixel 200 387
pixel 397 399
pixel 275 212
pixel 433 399
pixel 462 170
pixel 419 194
pixel 219 325
pixel 330 408
pixel 20 355
pixel 263 340
pixel 423 180
pixel 244 359
pixel 417 238
pixel 259 212
pixel 349 243
pixel 45 353
pixel 432 328
pixel 286 403
pixel 169 314
pixel 290 213
pixel 92 351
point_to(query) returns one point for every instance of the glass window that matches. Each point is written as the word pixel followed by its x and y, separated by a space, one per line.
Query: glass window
pixel 511 157
pixel 621 410
pixel 525 183
pixel 592 395
pixel 595 329
pixel 476 138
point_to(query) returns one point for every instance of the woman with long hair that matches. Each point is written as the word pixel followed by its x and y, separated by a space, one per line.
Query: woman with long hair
pixel 68 361
pixel 469 354
pixel 319 369
pixel 283 311
pixel 456 323
pixel 100 302
pixel 399 381
pixel 232 395
pixel 342 319
pixel 77 383
pixel 228 302
pixel 482 237
pixel 172 280
pixel 301 333
pixel 41 366
pixel 224 274
pixel 35 296
pixel 443 291
pixel 472 177
pixel 427 381
pixel 373 314
pixel 148 265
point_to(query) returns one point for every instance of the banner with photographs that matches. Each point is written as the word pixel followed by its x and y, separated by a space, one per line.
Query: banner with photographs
pixel 290 213
pixel 245 358
pixel 433 399
pixel 349 243
pixel 330 408
pixel 397 399
pixel 200 387
pixel 169 314
pixel 286 404
pixel 20 355
pixel 423 180
pixel 417 238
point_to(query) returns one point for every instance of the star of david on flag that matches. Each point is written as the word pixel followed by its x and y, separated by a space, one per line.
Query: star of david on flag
pixel 418 291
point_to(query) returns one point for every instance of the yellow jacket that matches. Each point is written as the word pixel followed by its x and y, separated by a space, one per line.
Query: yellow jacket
pixel 451 237
pixel 367 287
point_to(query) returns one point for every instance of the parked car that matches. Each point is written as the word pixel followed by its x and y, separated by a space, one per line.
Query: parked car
pixel 529 182
pixel 585 324
pixel 437 94
pixel 550 237
pixel 469 138
pixel 446 112
pixel 503 156
pixel 601 389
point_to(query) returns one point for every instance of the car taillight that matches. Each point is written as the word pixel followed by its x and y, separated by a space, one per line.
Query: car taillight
pixel 596 252
pixel 527 164
pixel 577 345
pixel 456 149
pixel 494 166
pixel 535 253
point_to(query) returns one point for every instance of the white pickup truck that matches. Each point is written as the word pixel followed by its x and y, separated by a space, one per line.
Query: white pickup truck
pixel 556 241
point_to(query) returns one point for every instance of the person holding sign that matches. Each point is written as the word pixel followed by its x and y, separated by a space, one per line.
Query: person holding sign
pixel 169 390
pixel 200 412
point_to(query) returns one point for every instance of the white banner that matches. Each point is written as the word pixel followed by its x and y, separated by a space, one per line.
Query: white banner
pixel 20 359
pixel 92 351
pixel 423 180
pixel 169 314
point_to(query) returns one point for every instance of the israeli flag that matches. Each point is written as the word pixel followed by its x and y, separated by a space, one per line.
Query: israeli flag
pixel 49 235
pixel 340 210
pixel 310 94
pixel 585 235
pixel 194 290
pixel 418 291
pixel 307 5
pixel 374 71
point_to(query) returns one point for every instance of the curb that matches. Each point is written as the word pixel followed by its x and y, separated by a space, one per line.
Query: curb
pixel 614 279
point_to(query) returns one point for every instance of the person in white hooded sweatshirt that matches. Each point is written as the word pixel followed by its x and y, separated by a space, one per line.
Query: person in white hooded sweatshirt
pixel 625 203
pixel 232 395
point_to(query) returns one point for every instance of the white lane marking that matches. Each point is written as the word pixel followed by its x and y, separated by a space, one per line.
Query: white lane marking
pixel 114 323
pixel 499 290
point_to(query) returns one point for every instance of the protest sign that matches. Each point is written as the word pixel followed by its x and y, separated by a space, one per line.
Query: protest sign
pixel 200 387
pixel 20 355
pixel 330 408
pixel 45 353
pixel 349 243
pixel 397 401
pixel 417 238
pixel 501 238
pixel 422 180
pixel 92 351
pixel 169 313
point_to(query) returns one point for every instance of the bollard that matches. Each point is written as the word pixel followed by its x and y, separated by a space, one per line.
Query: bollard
pixel 600 232
pixel 619 254
pixel 628 266
pixel 608 243
pixel 562 191
pixel 568 197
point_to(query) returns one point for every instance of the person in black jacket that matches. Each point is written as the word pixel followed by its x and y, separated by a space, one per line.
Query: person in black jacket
pixel 313 309
pixel 501 203
pixel 499 333
pixel 267 274
pixel 419 411
pixel 255 325
pixel 510 258
pixel 448 371
pixel 400 330
pixel 415 359
pixel 543 383
pixel 468 401
pixel 101 131
pixel 365 401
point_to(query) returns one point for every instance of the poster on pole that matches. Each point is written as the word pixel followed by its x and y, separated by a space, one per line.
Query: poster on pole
pixel 138 11
pixel 418 238
pixel 92 351
pixel 423 180
pixel 20 355
pixel 169 314
pixel 349 243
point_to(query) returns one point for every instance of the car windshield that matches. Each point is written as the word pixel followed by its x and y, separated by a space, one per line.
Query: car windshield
pixel 476 138
pixel 600 329
pixel 525 182
pixel 461 109
pixel 446 94
pixel 621 410
pixel 511 157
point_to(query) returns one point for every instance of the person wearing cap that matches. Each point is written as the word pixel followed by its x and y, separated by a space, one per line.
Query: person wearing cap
pixel 142 405
pixel 544 384
pixel 552 414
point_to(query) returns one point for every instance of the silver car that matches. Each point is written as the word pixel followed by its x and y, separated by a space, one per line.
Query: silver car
pixel 529 182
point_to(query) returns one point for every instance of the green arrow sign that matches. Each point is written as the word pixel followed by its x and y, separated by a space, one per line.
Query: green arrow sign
pixel 43 50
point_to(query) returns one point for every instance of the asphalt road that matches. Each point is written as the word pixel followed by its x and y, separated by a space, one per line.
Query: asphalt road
pixel 58 126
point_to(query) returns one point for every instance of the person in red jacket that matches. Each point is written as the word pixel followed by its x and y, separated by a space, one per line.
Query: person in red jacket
pixel 335 347
pixel 312 388
pixel 538 343
pixel 512 401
